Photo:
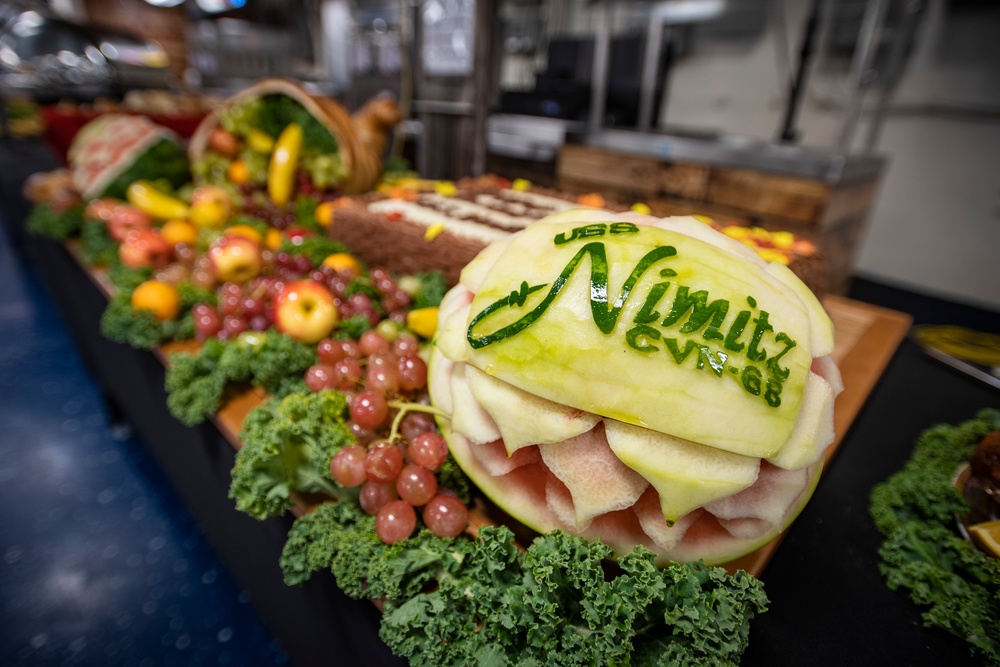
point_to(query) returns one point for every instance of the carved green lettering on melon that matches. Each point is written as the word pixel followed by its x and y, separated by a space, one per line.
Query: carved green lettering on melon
pixel 692 325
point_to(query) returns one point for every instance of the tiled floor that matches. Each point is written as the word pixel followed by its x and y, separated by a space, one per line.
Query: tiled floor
pixel 101 563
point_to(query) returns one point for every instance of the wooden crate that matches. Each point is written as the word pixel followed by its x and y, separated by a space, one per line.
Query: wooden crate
pixel 831 214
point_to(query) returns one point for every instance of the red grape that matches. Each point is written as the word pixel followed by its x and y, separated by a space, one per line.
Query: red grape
pixel 348 374
pixel 233 326
pixel 330 351
pixel 428 450
pixel 320 377
pixel 371 342
pixel 383 462
pixel 405 343
pixel 348 466
pixel 368 409
pixel 374 496
pixel 207 322
pixel 446 516
pixel 412 372
pixel 359 302
pixel 416 484
pixel 415 423
pixel 382 380
pixel 362 435
pixel 383 359
pixel 395 521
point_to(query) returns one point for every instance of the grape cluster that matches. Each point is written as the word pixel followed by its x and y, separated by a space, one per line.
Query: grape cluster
pixel 240 308
pixel 395 472
pixel 395 479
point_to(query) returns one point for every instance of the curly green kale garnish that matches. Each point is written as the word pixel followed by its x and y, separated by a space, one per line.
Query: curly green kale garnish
pixel 916 510
pixel 315 247
pixel 351 327
pixel 287 447
pixel 56 225
pixel 196 382
pixel 96 246
pixel 432 288
pixel 455 601
pixel 127 278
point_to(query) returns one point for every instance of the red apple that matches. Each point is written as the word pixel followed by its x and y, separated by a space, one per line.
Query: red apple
pixel 235 259
pixel 144 247
pixel 124 219
pixel 305 310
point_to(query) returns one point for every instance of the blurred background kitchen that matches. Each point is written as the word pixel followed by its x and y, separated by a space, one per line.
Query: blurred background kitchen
pixel 870 125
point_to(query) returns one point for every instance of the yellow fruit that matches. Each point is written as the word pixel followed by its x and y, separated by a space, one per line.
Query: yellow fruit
pixel 639 207
pixel 246 231
pixel 284 162
pixel 260 141
pixel 423 321
pixel 179 231
pixel 342 261
pixel 208 213
pixel 273 239
pixel 151 201
pixel 238 172
pixel 521 185
pixel 987 536
pixel 324 213
pixel 157 297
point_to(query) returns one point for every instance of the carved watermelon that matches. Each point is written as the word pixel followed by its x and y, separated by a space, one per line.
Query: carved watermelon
pixel 640 380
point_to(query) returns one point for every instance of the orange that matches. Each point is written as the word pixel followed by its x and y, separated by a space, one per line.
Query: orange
pixel 238 172
pixel 273 239
pixel 158 297
pixel 179 231
pixel 324 213
pixel 342 261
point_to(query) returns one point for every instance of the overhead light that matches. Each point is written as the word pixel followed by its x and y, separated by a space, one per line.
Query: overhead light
pixel 165 3
pixel 216 6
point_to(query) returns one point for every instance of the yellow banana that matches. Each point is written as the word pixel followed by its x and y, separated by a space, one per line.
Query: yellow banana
pixel 156 204
pixel 284 160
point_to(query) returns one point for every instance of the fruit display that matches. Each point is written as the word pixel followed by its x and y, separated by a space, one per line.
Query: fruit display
pixel 388 429
pixel 274 141
pixel 680 397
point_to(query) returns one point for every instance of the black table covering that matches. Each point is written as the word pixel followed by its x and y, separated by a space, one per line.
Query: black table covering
pixel 829 604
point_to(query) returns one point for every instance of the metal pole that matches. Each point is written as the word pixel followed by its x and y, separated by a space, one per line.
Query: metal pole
pixel 650 68
pixel 797 86
pixel 894 67
pixel 861 74
pixel 599 71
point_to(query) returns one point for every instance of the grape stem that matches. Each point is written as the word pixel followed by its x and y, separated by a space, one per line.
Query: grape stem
pixel 404 408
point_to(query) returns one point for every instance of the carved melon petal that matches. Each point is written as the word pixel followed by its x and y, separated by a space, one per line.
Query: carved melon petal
pixel 685 474
pixel 596 479
pixel 475 271
pixel 767 499
pixel 826 368
pixel 495 460
pixel 453 314
pixel 820 325
pixel 525 419
pixel 467 416
pixel 813 432
pixel 650 516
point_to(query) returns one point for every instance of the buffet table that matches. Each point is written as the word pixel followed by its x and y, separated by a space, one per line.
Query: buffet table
pixel 829 604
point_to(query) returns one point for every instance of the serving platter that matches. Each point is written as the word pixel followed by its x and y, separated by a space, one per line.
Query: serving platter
pixel 866 338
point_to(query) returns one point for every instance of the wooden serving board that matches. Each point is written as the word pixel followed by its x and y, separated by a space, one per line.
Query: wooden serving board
pixel 866 338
